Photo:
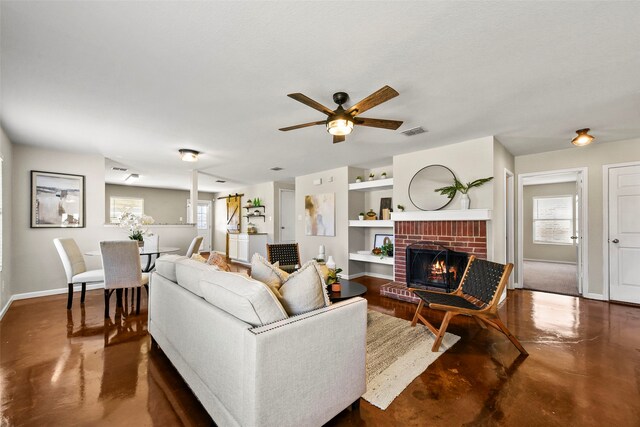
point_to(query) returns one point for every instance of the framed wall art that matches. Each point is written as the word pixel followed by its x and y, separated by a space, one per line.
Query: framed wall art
pixel 320 216
pixel 57 200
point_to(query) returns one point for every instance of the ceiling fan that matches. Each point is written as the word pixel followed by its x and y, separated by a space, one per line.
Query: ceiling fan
pixel 340 122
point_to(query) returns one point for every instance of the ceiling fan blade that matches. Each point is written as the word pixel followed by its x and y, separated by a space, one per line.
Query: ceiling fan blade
pixel 310 102
pixel 304 125
pixel 376 98
pixel 338 138
pixel 378 123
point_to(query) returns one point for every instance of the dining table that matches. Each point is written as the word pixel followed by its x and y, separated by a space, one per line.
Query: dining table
pixel 148 252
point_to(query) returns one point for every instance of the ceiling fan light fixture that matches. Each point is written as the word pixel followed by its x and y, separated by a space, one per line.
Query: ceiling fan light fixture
pixel 583 138
pixel 340 126
pixel 188 155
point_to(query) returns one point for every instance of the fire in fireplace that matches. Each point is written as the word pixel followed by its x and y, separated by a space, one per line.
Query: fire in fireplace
pixel 429 264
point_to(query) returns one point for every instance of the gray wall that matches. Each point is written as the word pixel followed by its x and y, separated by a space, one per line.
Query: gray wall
pixel 593 157
pixel 164 205
pixel 538 251
pixel 6 153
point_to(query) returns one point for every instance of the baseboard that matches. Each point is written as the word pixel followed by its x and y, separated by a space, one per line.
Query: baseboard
pixel 598 297
pixel 6 307
pixel 376 275
pixel 549 260
pixel 58 291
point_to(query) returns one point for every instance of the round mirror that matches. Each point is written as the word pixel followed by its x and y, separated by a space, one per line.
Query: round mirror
pixel 424 183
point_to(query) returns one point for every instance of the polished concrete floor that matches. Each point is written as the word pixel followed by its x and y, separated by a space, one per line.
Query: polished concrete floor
pixel 65 368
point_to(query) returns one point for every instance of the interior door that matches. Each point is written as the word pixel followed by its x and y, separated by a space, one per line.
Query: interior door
pixel 203 222
pixel 287 216
pixel 624 234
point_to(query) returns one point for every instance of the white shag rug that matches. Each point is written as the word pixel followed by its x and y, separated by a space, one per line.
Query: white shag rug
pixel 396 354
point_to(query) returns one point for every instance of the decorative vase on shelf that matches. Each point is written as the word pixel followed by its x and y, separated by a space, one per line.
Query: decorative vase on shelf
pixel 464 202
pixel 331 264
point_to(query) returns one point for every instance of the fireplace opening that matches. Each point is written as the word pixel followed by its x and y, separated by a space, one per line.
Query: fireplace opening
pixel 430 264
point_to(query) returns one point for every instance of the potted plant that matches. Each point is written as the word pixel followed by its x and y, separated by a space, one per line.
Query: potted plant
pixel 135 225
pixel 386 250
pixel 333 280
pixel 401 208
pixel 450 190
pixel 371 176
pixel 361 216
pixel 358 179
pixel 383 175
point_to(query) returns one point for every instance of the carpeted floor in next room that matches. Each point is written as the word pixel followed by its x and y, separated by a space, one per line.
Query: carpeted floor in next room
pixel 60 368
pixel 556 277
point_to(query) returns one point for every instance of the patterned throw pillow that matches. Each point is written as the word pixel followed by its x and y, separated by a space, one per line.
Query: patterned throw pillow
pixel 303 291
pixel 267 273
pixel 218 260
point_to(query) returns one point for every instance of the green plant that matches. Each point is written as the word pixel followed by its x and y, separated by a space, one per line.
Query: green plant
pixel 386 249
pixel 371 175
pixel 358 178
pixel 400 207
pixel 333 276
pixel 361 214
pixel 451 190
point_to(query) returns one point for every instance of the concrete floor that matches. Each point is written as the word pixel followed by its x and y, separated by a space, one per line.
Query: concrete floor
pixel 60 367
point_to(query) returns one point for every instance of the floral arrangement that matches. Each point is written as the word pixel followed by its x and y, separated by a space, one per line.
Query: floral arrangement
pixel 135 224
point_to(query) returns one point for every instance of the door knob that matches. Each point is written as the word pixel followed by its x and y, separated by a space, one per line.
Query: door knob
pixel 615 241
pixel 574 237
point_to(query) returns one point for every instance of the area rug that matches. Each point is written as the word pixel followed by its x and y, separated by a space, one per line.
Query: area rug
pixel 396 355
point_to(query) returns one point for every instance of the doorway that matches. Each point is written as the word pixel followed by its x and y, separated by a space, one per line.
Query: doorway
pixel 203 222
pixel 287 232
pixel 622 231
pixel 552 226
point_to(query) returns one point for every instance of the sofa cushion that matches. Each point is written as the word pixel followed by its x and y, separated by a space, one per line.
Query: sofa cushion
pixel 304 290
pixel 243 297
pixel 219 261
pixel 166 266
pixel 267 273
pixel 190 272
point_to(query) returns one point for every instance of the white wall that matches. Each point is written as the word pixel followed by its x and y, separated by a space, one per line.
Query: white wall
pixel 337 246
pixel 6 152
pixel 592 157
pixel 496 233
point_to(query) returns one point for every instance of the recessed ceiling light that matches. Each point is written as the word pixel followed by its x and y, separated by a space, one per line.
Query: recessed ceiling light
pixel 276 168
pixel 188 155
pixel 583 138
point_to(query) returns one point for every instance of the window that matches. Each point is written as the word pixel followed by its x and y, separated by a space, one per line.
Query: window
pixel 553 220
pixel 119 204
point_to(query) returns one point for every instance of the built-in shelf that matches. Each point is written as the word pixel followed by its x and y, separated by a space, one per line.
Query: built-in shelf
pixel 386 223
pixel 375 259
pixel 443 215
pixel 375 185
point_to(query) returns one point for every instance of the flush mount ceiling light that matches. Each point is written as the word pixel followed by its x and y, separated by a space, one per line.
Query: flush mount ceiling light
pixel 188 155
pixel 583 138
pixel 131 178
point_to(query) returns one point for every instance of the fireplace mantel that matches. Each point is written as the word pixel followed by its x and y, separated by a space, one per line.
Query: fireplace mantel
pixel 444 215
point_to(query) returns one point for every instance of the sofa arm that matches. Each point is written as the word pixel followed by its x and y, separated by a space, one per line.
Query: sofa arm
pixel 306 369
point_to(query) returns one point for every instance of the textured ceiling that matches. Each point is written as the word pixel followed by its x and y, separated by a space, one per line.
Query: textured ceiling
pixel 135 81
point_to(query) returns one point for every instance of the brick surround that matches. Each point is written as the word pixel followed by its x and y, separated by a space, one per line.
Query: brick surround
pixel 462 236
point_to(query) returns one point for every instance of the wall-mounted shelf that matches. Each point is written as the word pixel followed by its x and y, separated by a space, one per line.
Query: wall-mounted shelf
pixel 375 185
pixel 384 223
pixel 255 216
pixel 254 207
pixel 374 259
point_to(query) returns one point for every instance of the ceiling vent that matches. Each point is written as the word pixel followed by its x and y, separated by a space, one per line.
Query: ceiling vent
pixel 414 131
pixel 115 168
pixel 277 168
pixel 220 181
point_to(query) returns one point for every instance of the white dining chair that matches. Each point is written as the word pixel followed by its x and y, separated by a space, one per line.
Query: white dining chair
pixel 75 268
pixel 121 264
pixel 195 245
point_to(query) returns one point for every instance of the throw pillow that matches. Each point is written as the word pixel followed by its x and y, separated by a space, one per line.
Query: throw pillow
pixel 198 257
pixel 303 291
pixel 219 261
pixel 267 273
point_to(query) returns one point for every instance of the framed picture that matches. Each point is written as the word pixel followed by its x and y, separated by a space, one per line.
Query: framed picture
pixel 319 214
pixel 382 239
pixel 57 200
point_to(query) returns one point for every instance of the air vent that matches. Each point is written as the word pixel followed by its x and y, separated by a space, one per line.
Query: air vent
pixel 115 168
pixel 220 181
pixel 414 131
pixel 277 168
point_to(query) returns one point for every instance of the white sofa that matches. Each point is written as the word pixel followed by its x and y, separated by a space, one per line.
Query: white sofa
pixel 298 371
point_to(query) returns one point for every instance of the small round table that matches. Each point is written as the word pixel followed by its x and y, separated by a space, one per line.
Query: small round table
pixel 349 289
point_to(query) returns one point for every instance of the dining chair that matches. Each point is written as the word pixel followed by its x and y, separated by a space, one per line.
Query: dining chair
pixel 195 245
pixel 122 270
pixel 287 254
pixel 75 268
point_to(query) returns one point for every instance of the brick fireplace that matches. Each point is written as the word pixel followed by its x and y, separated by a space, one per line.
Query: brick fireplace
pixel 469 236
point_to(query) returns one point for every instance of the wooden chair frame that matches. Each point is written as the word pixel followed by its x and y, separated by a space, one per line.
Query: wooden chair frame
pixel 488 314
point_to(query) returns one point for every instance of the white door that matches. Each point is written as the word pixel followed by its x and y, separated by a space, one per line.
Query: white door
pixel 203 222
pixel 624 234
pixel 287 216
